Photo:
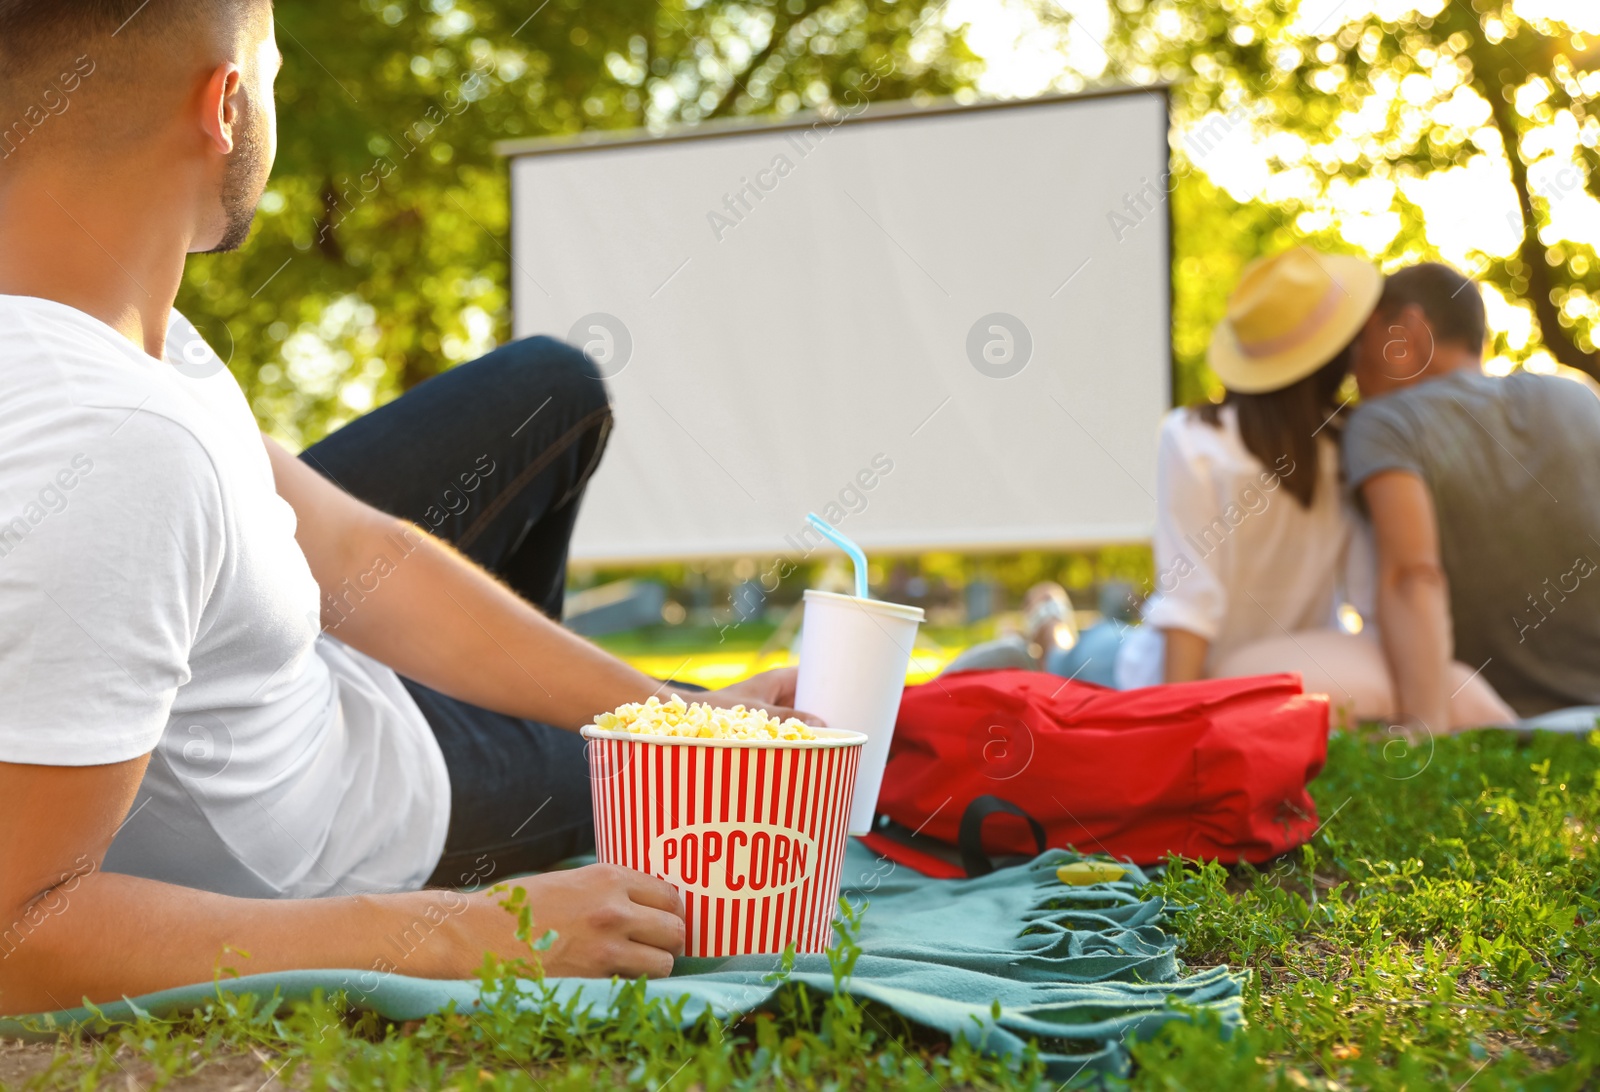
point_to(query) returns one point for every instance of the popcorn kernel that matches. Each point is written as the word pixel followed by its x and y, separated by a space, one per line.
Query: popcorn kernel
pixel 677 718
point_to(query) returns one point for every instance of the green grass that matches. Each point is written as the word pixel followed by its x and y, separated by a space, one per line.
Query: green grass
pixel 665 640
pixel 1441 931
pixel 687 639
pixel 1442 928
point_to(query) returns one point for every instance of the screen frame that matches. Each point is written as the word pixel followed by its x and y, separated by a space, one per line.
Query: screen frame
pixel 873 112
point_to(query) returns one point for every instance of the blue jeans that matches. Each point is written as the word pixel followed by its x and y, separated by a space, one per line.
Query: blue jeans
pixel 1094 658
pixel 493 456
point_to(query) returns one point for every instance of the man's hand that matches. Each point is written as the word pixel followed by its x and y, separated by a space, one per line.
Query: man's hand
pixel 607 920
pixel 69 930
pixel 770 690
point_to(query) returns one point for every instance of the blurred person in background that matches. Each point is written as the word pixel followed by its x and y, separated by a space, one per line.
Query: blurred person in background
pixel 1256 545
pixel 1484 512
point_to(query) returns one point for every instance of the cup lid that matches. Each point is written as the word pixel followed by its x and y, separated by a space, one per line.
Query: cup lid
pixel 875 606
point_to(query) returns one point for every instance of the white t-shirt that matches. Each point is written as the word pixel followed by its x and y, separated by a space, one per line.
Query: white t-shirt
pixel 153 600
pixel 1237 557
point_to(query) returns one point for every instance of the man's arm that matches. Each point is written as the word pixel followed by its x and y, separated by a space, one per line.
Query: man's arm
pixel 409 600
pixel 69 931
pixel 1413 597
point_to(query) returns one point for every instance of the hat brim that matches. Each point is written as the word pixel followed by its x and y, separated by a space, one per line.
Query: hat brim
pixel 1362 284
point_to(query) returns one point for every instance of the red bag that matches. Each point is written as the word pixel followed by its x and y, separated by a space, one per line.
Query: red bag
pixel 1215 769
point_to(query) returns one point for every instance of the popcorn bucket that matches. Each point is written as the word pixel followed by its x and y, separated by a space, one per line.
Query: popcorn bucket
pixel 752 832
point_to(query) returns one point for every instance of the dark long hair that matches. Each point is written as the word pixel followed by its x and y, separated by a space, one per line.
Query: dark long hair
pixel 1281 427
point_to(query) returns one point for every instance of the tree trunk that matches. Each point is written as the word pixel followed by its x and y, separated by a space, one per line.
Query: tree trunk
pixel 1530 250
pixel 780 31
pixel 327 241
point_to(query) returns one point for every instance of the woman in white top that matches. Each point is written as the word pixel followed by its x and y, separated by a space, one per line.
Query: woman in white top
pixel 1256 547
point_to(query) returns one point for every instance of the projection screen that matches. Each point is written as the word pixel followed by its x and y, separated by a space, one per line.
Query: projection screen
pixel 940 328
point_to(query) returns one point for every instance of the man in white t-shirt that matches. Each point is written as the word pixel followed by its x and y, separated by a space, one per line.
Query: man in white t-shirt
pixel 254 702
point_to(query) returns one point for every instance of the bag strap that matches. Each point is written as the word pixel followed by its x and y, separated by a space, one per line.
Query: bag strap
pixel 969 840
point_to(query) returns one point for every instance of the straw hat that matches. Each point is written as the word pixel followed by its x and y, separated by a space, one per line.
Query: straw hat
pixel 1289 315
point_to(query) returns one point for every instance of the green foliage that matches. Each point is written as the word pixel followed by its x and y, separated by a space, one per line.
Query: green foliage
pixel 380 256
pixel 381 252
pixel 1443 926
pixel 1436 87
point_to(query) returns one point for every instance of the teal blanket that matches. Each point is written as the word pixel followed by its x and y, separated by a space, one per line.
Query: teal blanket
pixel 998 961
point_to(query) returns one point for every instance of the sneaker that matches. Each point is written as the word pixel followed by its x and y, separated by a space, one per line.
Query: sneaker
pixel 1049 621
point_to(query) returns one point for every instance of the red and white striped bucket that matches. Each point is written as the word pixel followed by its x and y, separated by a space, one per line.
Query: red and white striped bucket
pixel 752 832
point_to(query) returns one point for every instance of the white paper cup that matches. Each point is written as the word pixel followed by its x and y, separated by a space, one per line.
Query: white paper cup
pixel 853 659
pixel 751 831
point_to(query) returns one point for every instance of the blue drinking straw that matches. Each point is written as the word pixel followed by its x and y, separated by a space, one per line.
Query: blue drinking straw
pixel 856 556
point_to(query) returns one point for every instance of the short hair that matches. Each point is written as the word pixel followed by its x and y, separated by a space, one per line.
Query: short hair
pixel 34 34
pixel 26 26
pixel 111 49
pixel 1449 301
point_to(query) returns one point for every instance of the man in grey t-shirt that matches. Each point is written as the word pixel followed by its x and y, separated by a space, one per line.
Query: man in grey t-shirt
pixel 1483 507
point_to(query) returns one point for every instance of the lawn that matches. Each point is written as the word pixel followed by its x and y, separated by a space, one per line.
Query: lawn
pixel 713 656
pixel 1441 931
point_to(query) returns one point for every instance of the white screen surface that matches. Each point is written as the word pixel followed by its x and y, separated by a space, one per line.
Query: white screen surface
pixel 794 319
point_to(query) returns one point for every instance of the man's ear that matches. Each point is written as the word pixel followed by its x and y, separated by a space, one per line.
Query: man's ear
pixel 220 106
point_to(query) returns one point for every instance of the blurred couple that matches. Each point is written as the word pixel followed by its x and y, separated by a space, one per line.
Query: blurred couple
pixel 1448 511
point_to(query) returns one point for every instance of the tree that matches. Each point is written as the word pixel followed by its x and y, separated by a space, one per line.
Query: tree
pixel 380 253
pixel 1354 97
